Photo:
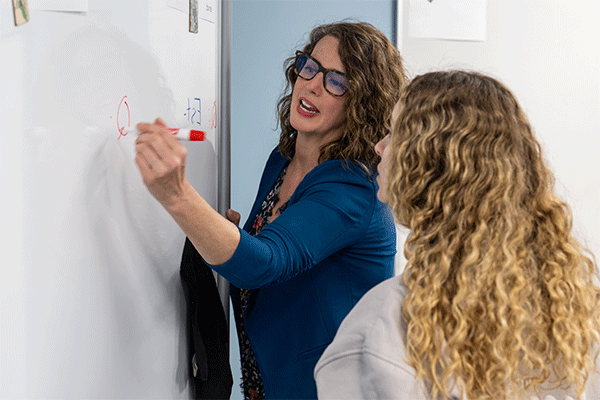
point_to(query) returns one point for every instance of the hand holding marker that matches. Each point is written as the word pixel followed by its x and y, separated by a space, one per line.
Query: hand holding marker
pixel 179 133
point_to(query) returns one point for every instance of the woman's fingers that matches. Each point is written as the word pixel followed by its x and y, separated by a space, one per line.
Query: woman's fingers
pixel 233 216
pixel 160 121
pixel 159 145
pixel 150 127
pixel 151 152
pixel 161 160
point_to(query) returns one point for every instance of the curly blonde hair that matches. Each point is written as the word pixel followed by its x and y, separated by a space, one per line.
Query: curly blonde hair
pixel 376 74
pixel 501 297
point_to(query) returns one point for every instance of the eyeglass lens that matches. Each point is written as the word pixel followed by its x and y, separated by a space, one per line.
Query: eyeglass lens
pixel 334 82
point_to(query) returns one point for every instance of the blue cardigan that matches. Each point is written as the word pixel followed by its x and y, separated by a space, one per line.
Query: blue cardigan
pixel 311 265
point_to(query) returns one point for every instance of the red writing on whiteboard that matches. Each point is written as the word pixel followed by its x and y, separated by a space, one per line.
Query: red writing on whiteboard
pixel 213 120
pixel 123 114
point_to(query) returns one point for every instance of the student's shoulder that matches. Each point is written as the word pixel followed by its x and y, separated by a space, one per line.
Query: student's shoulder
pixel 386 333
pixel 380 305
pixel 368 350
pixel 377 315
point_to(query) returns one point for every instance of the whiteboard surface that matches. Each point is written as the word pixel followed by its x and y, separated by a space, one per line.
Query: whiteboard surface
pixel 93 295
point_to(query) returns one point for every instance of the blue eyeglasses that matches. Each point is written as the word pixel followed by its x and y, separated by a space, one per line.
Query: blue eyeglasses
pixel 307 68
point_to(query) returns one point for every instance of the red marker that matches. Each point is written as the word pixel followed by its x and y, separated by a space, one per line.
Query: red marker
pixel 188 134
pixel 179 133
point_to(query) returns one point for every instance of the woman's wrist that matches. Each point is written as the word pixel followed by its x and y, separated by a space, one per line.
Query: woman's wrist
pixel 183 201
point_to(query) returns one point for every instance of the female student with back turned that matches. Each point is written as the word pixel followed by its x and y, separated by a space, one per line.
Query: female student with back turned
pixel 317 238
pixel 498 299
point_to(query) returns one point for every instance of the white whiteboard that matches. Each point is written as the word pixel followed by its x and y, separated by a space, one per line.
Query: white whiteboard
pixel 91 297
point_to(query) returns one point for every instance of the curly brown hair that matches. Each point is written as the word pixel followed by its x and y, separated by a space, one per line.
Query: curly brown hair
pixel 501 295
pixel 376 74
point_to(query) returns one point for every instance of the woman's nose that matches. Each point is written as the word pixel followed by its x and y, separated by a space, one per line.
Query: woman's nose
pixel 379 148
pixel 316 83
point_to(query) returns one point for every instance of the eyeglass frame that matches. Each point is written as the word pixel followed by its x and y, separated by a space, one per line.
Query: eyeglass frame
pixel 322 69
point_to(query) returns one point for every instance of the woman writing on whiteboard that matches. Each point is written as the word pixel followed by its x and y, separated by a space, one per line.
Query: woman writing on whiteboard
pixel 317 238
pixel 498 299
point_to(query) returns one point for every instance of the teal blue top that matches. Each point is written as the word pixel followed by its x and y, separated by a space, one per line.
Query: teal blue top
pixel 311 265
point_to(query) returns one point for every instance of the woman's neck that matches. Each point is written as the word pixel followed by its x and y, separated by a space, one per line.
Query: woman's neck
pixel 298 168
pixel 308 146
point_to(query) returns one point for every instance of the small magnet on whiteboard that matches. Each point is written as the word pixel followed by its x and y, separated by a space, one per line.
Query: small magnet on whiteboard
pixel 194 16
pixel 21 11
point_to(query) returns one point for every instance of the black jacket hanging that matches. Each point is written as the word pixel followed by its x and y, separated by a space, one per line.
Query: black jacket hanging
pixel 207 332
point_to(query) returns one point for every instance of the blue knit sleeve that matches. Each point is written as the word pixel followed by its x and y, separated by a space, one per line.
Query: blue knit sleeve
pixel 329 211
